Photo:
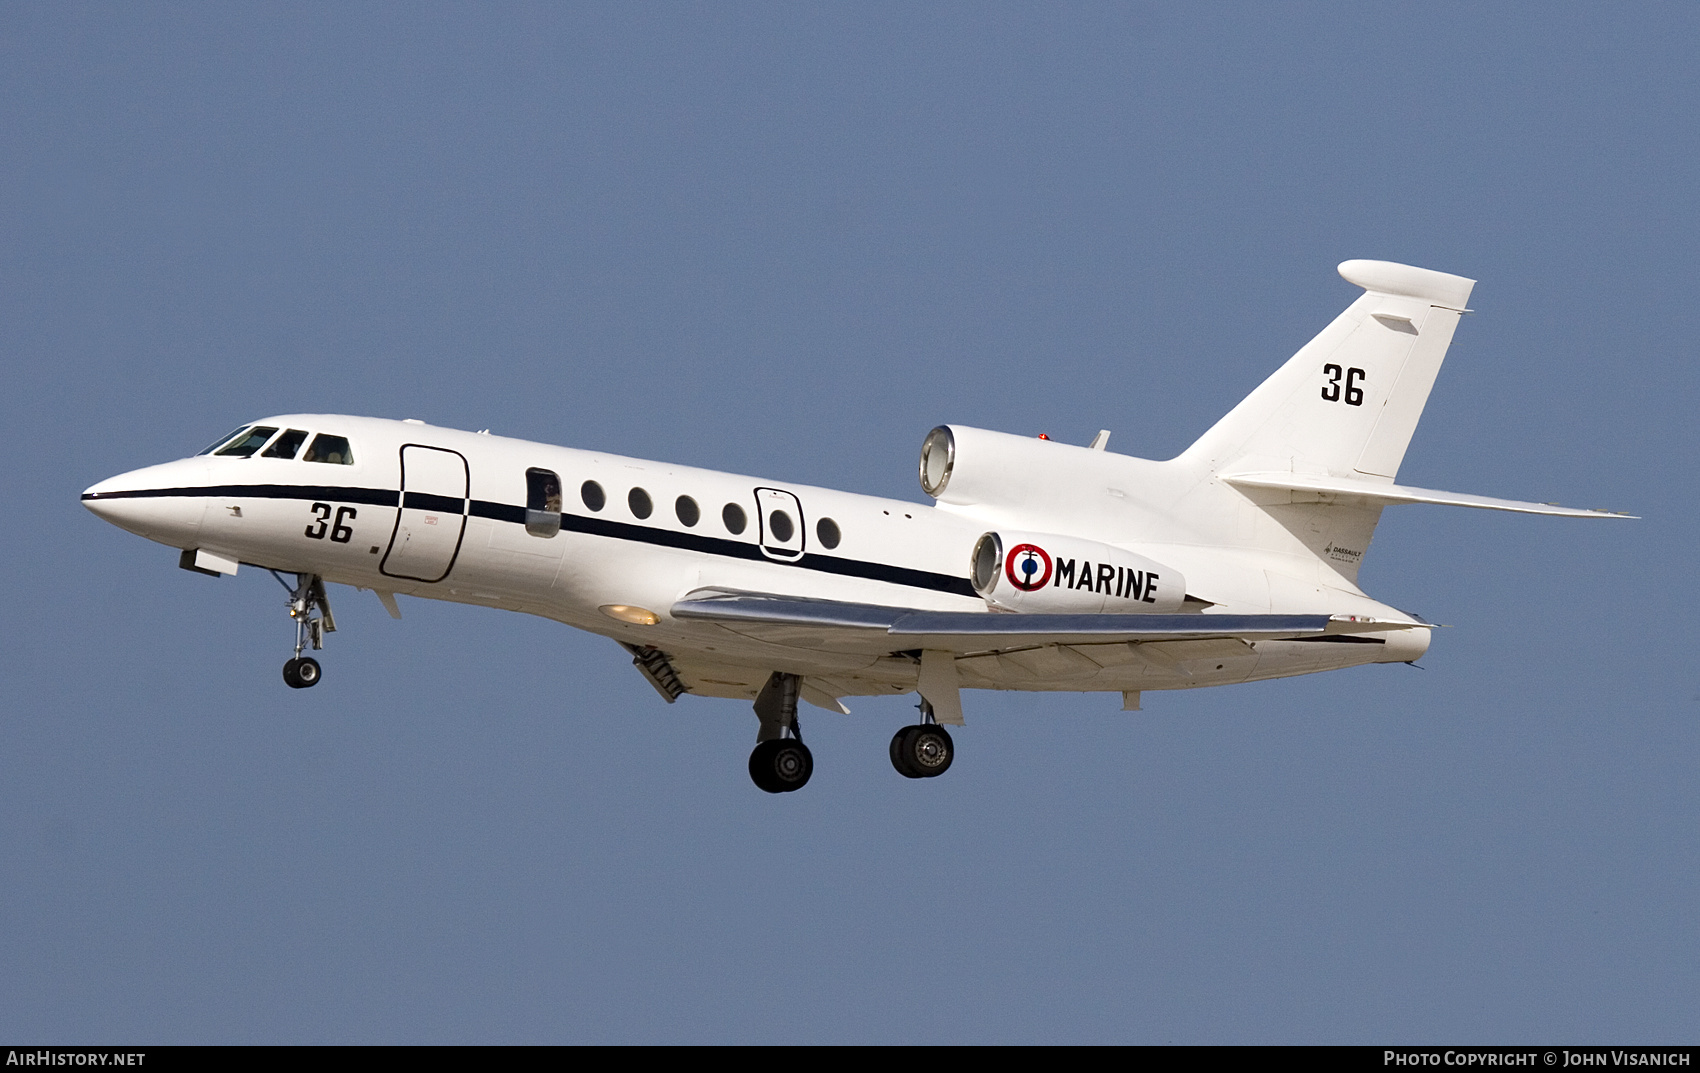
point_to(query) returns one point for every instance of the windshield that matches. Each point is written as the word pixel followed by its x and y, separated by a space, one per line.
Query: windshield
pixel 243 446
pixel 222 440
pixel 286 445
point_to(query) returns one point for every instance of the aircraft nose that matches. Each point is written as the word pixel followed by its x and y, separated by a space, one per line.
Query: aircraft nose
pixel 106 499
pixel 159 502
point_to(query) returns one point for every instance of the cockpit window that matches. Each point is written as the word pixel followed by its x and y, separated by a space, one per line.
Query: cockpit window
pixel 332 449
pixel 245 445
pixel 222 440
pixel 285 445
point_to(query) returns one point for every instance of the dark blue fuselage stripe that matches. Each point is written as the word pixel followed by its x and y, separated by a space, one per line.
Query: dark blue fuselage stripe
pixel 737 549
pixel 501 512
pixel 440 504
pixel 382 497
pixel 605 527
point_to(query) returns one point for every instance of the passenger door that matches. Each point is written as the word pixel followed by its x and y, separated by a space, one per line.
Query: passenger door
pixel 428 527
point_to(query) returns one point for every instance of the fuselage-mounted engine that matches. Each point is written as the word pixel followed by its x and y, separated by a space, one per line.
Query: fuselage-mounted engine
pixel 973 468
pixel 1041 572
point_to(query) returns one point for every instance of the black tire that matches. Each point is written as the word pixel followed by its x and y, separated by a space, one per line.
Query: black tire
pixel 781 765
pixel 898 752
pixel 305 674
pixel 927 750
pixel 761 768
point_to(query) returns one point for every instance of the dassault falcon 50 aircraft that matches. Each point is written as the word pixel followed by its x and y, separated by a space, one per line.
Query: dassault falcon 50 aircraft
pixel 1039 565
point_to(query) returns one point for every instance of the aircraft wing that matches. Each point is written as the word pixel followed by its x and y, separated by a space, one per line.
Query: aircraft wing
pixel 802 622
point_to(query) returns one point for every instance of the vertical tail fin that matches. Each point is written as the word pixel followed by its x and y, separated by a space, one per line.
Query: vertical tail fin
pixel 1348 402
pixel 1344 406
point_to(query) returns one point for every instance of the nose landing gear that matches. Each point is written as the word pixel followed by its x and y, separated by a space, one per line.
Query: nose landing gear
pixel 300 673
pixel 311 610
pixel 924 750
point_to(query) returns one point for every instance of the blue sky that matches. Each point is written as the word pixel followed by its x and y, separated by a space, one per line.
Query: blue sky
pixel 788 240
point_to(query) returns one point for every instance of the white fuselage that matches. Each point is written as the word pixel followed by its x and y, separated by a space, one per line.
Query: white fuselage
pixel 441 514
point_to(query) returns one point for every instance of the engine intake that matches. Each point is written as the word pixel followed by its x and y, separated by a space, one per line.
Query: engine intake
pixel 1042 572
pixel 964 466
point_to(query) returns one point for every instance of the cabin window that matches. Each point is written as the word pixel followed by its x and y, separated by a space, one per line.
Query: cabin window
pixel 244 446
pixel 779 524
pixel 331 449
pixel 638 500
pixel 285 445
pixel 734 519
pixel 542 503
pixel 222 440
pixel 687 510
pixel 593 495
pixel 827 530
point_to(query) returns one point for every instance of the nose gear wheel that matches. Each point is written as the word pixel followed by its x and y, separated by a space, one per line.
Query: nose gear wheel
pixel 301 672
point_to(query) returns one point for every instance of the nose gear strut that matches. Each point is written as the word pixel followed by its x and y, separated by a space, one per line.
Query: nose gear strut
pixel 311 610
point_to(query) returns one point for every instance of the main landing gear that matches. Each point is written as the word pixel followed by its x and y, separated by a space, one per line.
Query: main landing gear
pixel 922 751
pixel 780 764
pixel 311 610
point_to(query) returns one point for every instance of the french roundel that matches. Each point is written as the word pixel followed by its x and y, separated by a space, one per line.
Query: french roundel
pixel 1028 567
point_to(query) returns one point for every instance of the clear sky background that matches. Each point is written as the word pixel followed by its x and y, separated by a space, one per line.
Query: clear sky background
pixel 788 240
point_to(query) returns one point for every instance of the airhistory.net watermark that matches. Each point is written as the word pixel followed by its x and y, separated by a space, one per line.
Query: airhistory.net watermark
pixel 55 1056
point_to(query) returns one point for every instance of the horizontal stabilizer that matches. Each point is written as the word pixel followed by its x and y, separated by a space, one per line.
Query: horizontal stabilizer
pixel 871 628
pixel 1374 492
pixel 1388 277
